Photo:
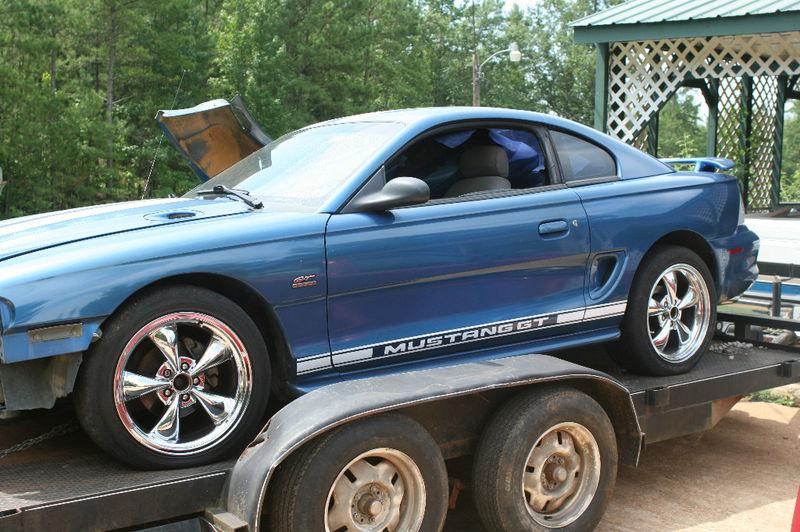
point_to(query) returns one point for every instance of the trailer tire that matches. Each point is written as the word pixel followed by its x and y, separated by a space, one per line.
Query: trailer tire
pixel 373 464
pixel 527 454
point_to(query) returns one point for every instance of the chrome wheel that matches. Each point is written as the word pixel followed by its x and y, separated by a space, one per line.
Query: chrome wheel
pixel 678 313
pixel 381 490
pixel 561 475
pixel 182 383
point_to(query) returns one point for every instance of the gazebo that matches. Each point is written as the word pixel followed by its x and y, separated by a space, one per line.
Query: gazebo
pixel 744 55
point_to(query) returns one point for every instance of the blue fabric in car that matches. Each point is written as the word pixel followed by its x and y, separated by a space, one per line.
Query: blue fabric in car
pixel 526 164
pixel 456 139
pixel 525 161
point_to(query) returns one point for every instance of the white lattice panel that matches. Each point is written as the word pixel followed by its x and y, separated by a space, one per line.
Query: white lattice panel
pixel 643 75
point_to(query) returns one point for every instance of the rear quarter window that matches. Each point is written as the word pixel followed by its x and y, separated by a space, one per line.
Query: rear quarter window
pixel 581 159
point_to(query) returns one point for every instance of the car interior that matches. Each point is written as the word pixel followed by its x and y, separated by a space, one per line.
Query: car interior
pixel 474 161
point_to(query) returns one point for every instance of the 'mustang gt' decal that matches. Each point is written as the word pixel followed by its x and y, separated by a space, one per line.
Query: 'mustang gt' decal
pixel 468 335
pixel 454 337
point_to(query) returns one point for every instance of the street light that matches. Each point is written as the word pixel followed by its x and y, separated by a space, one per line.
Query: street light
pixel 514 55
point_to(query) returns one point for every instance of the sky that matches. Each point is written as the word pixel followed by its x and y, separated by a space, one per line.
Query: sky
pixel 521 3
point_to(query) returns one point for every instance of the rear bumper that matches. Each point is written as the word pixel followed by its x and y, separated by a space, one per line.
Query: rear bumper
pixel 737 268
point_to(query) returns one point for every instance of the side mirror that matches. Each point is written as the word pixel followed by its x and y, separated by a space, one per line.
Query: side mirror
pixel 398 192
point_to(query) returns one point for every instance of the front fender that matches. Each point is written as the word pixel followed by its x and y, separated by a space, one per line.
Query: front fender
pixel 83 283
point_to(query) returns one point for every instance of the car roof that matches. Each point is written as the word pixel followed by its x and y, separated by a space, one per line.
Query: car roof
pixel 632 162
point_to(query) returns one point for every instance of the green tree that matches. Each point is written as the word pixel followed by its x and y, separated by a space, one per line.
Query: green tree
pixel 790 164
pixel 80 80
pixel 681 132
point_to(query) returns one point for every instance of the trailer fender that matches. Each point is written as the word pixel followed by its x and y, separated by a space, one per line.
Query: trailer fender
pixel 331 406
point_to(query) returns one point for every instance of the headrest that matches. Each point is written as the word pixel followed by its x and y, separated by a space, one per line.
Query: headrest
pixel 479 161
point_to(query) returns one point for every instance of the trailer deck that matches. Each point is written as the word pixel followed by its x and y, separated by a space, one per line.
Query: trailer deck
pixel 68 482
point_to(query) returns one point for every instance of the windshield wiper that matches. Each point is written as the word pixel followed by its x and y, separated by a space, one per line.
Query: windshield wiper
pixel 222 190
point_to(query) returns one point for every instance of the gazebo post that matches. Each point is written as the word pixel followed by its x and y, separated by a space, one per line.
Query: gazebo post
pixel 652 134
pixel 711 96
pixel 601 88
pixel 777 144
pixel 745 129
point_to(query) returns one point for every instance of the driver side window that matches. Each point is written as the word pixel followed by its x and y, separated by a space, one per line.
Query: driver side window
pixel 474 161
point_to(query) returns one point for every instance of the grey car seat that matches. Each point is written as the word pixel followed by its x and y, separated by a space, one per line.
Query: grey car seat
pixel 484 168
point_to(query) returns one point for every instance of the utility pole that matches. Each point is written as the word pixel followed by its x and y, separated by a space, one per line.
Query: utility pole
pixel 514 55
pixel 476 81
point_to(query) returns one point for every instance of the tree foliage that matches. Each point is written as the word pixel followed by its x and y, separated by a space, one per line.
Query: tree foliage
pixel 681 132
pixel 81 80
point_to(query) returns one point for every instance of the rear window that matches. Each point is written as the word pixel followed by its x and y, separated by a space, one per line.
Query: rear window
pixel 581 159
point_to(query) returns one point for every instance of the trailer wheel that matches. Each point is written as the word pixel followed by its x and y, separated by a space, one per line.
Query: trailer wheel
pixel 385 473
pixel 547 460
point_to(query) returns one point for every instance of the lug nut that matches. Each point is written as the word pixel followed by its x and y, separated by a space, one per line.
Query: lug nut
pixel 185 397
pixel 167 392
pixel 196 381
pixel 167 373
pixel 184 366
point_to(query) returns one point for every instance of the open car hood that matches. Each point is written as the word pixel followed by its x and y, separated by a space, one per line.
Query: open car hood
pixel 214 135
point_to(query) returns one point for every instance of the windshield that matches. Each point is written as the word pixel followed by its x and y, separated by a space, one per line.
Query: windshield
pixel 303 168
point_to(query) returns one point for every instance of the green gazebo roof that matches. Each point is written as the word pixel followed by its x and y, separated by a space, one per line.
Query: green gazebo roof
pixel 669 19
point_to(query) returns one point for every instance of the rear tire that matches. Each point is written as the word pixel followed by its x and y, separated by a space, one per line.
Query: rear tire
pixel 387 471
pixel 181 377
pixel 547 460
pixel 666 330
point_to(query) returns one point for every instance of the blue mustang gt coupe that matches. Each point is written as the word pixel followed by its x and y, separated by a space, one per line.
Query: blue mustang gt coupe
pixel 369 244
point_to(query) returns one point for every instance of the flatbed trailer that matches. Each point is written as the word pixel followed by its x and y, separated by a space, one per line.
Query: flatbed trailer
pixel 67 483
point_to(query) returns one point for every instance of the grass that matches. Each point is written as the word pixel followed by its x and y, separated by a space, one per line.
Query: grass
pixel 768 396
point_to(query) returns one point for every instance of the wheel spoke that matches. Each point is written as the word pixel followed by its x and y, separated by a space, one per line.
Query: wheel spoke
pixel 363 471
pixel 684 333
pixel 671 283
pixel 688 300
pixel 555 504
pixel 654 309
pixel 168 427
pixel 567 445
pixel 217 407
pixel 532 481
pixel 135 385
pixel 385 472
pixel 661 339
pixel 538 501
pixel 391 526
pixel 339 515
pixel 166 340
pixel 215 354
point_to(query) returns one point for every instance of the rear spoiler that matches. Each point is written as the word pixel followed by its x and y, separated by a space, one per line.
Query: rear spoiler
pixel 702 164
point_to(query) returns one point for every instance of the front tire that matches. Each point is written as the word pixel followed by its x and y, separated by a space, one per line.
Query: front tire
pixel 671 314
pixel 180 377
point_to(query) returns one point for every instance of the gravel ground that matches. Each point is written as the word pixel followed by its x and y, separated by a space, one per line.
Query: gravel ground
pixel 743 475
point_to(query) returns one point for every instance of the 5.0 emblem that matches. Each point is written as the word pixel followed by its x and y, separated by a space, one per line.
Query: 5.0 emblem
pixel 303 281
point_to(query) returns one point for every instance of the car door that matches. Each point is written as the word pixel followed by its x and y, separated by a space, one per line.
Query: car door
pixel 440 278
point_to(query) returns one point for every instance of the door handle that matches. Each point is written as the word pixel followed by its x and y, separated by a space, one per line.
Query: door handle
pixel 549 228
